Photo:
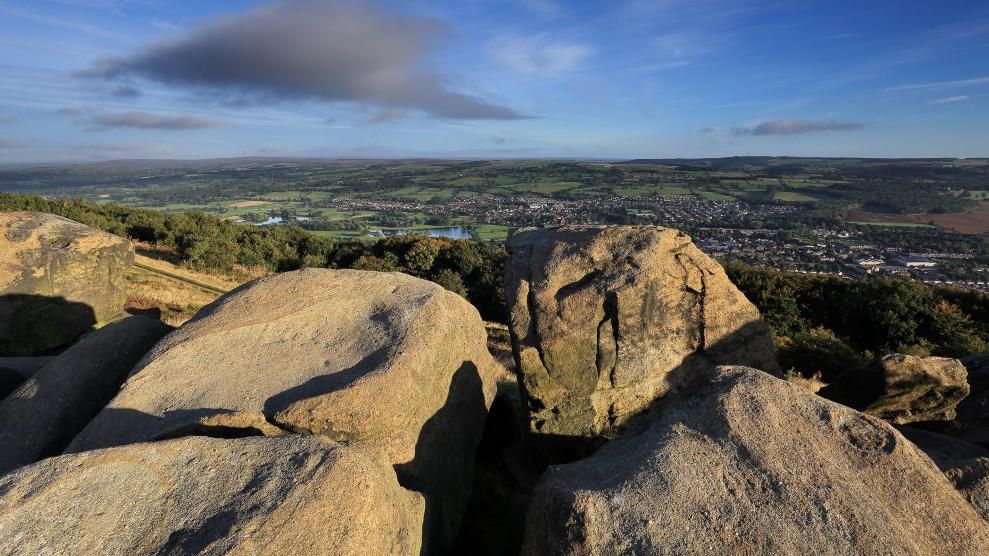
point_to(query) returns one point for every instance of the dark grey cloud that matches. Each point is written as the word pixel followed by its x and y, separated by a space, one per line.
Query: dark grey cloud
pixel 95 120
pixel 707 130
pixel 334 50
pixel 795 127
pixel 125 91
pixel 144 120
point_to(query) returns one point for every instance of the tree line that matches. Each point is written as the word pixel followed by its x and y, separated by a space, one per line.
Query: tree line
pixel 821 323
pixel 205 242
pixel 832 325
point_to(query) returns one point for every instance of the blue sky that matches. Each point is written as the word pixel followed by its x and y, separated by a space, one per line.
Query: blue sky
pixel 105 79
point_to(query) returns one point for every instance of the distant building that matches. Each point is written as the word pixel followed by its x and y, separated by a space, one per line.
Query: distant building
pixel 915 262
pixel 869 262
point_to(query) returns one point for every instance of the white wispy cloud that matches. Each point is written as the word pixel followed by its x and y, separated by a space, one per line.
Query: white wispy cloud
pixel 683 45
pixel 940 85
pixel 538 54
pixel 91 30
pixel 949 100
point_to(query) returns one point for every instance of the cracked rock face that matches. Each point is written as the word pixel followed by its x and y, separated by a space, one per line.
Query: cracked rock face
pixel 284 495
pixel 383 360
pixel 57 279
pixel 741 462
pixel 605 320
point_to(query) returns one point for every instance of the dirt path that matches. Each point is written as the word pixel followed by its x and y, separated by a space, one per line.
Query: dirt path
pixel 165 269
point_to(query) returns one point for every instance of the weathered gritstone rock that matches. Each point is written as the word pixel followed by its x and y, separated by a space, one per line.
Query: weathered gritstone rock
pixel 380 359
pixel 605 320
pixel 966 465
pixel 919 389
pixel 971 478
pixel 44 414
pixel 744 463
pixel 284 495
pixel 57 279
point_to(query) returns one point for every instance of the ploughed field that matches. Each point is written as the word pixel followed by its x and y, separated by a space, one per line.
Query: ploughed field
pixel 971 222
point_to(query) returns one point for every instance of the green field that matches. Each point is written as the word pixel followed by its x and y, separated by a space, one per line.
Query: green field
pixel 492 232
pixel 793 197
pixel 414 194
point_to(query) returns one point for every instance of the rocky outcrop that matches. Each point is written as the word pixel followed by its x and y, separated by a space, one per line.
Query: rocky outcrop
pixel 919 388
pixel 44 414
pixel 605 320
pixel 742 462
pixel 382 360
pixel 965 464
pixel 286 495
pixel 971 478
pixel 57 279
pixel 973 411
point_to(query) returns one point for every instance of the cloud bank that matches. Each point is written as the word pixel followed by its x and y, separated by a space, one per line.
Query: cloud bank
pixel 336 51
pixel 144 120
pixel 137 120
pixel 796 127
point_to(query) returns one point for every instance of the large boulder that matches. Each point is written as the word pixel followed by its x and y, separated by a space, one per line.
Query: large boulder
pixel 286 495
pixel 605 320
pixel 744 463
pixel 919 388
pixel 57 279
pixel 44 414
pixel 382 359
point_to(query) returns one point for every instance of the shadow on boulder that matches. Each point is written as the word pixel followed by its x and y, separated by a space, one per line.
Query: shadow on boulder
pixel 39 325
pixel 209 422
pixel 494 521
pixel 444 459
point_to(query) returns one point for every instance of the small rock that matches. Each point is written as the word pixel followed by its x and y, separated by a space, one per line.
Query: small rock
pixel 919 389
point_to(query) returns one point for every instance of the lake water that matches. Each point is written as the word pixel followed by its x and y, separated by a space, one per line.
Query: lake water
pixel 278 220
pixel 452 232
